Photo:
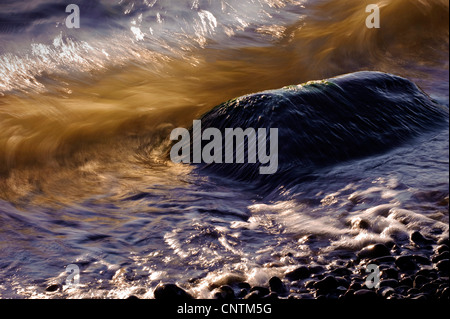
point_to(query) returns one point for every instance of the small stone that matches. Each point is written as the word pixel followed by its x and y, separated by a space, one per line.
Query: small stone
pixel 440 249
pixel 298 274
pixel 254 295
pixel 341 272
pixel 389 273
pixel 420 240
pixel 132 297
pixel 406 263
pixel 413 291
pixel 374 251
pixel 225 293
pixel 385 292
pixel 428 273
pixel 443 266
pixel 441 256
pixel 444 241
pixel 445 294
pixel 342 282
pixel 310 284
pixel 422 260
pixel 276 285
pixel 244 285
pixel 262 291
pixel 407 282
pixel 316 269
pixel 389 283
pixel 420 297
pixel 395 296
pixel 355 286
pixel 402 289
pixel 53 288
pixel 326 284
pixel 386 260
pixel 429 288
pixel 271 296
pixel 171 292
pixel 419 281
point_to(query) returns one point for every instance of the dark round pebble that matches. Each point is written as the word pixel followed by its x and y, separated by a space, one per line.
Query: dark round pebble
pixel 132 297
pixel 244 285
pixel 374 251
pixel 420 240
pixel 442 248
pixel 53 288
pixel 389 283
pixel 171 292
pixel 299 274
pixel 441 256
pixel 326 285
pixel 429 288
pixel 342 282
pixel 408 282
pixel 261 290
pixel 355 286
pixel 341 272
pixel 271 296
pixel 444 241
pixel 413 291
pixel 386 292
pixel 419 281
pixel 443 266
pixel 225 293
pixel 254 295
pixel 390 273
pixel 402 289
pixel 422 297
pixel 316 269
pixel 422 260
pixel 276 285
pixel 406 263
pixel 445 294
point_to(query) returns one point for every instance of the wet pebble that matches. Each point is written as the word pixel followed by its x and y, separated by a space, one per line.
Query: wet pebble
pixel 441 256
pixel 254 295
pixel 390 273
pixel 326 285
pixel 429 288
pixel 225 293
pixel 374 251
pixel 443 266
pixel 419 281
pixel 386 292
pixel 406 263
pixel 440 249
pixel 262 291
pixel 343 271
pixel 407 282
pixel 299 274
pixel 420 240
pixel 389 283
pixel 53 288
pixel 444 241
pixel 277 286
pixel 171 292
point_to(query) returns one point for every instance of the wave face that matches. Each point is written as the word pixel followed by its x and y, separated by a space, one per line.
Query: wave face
pixel 327 122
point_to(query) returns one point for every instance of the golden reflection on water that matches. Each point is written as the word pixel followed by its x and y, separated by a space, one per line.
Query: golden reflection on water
pixel 112 119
